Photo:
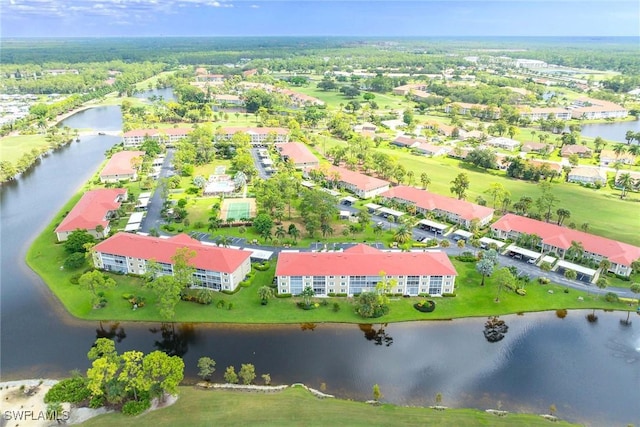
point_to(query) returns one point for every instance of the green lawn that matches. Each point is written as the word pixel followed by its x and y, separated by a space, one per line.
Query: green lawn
pixel 13 147
pixel 296 406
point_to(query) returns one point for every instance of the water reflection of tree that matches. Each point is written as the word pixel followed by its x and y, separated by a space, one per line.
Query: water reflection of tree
pixel 113 332
pixel 378 336
pixel 308 326
pixel 175 340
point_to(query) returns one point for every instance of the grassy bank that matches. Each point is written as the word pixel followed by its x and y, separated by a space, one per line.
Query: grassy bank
pixel 296 406
pixel 46 257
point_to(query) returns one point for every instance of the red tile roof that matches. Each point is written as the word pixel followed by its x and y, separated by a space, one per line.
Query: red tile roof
pixel 120 163
pixel 430 201
pixel 210 258
pixel 297 152
pixel 360 261
pixel 359 180
pixel 561 237
pixel 91 209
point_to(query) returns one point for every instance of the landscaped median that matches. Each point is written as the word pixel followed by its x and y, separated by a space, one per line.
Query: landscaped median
pixel 297 406
pixel 46 257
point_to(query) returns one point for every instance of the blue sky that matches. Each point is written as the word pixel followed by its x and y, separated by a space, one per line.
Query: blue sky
pixel 79 18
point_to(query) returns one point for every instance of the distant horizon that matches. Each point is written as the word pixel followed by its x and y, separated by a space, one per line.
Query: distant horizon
pixel 319 18
pixel 369 37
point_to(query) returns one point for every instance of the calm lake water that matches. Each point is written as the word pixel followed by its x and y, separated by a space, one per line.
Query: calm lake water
pixel 610 131
pixel 590 371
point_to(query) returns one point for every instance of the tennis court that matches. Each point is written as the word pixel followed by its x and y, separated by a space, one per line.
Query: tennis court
pixel 238 208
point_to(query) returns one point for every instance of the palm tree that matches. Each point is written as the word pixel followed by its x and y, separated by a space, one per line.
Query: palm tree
pixel 575 251
pixel 410 176
pixel 326 229
pixel 604 265
pixel 294 232
pixel 425 180
pixel 280 232
pixel 223 241
pixel 634 150
pixel 214 223
pixel 402 234
pixel 619 149
pixel 562 215
pixel 377 229
pixel 624 182
pixel 264 293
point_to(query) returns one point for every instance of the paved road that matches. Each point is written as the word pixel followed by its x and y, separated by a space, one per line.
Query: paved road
pixel 153 219
pixel 262 173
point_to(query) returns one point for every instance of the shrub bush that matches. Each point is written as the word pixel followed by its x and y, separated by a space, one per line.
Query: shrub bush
pixel 544 280
pixel 221 303
pixel 264 266
pixel 521 291
pixel 135 407
pixel 283 296
pixel 72 390
pixel 96 402
pixel 449 294
pixel 336 307
pixel 611 297
pixel 425 306
pixel 467 257
pixel 75 279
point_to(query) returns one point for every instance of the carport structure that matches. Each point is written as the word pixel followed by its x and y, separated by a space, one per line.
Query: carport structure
pixel 584 274
pixel 525 254
pixel 388 212
pixel 432 226
pixel 462 235
pixel 487 241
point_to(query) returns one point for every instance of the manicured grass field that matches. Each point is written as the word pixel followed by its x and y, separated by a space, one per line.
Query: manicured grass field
pixel 298 407
pixel 13 147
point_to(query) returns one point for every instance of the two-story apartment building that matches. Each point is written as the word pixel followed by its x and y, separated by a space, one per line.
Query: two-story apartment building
pixel 258 136
pixel 121 166
pixel 361 267
pixel 169 136
pixel 558 239
pixel 215 267
pixel 95 208
pixel 542 113
pixel 363 186
pixel 454 210
pixel 298 154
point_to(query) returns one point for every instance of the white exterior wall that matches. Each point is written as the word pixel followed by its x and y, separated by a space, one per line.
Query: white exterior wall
pixel 138 266
pixel 341 284
pixel 116 178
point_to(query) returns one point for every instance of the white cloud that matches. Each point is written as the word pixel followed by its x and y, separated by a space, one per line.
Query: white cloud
pixel 122 10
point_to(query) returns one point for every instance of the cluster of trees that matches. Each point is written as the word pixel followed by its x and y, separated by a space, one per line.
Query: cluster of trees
pixel 317 209
pixel 131 379
pixel 479 94
pixel 247 373
pixel 522 169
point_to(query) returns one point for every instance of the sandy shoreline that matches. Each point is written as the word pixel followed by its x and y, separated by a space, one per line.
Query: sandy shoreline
pixel 22 404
